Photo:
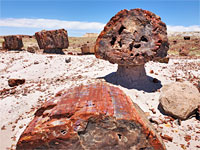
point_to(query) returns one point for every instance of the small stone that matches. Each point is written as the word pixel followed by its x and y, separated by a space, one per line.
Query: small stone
pixel 36 62
pixel 155 80
pixel 153 110
pixel 151 71
pixel 3 127
pixel 32 48
pixel 68 60
pixel 167 137
pixel 15 82
pixel 186 37
pixel 187 138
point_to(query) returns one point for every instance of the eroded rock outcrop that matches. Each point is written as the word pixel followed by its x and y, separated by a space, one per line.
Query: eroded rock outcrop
pixel 13 42
pixel 52 41
pixel 96 116
pixel 179 100
pixel 132 38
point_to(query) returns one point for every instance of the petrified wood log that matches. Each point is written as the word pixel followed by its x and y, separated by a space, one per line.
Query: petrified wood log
pixel 93 117
pixel 13 42
pixel 132 37
pixel 53 39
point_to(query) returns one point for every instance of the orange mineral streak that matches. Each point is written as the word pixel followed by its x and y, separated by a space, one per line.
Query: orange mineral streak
pixel 63 116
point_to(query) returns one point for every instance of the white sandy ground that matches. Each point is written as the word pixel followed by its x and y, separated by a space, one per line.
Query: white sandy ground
pixel 47 74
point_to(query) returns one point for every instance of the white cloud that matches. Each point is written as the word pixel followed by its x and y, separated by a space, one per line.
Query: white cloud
pixel 51 23
pixel 73 25
pixel 183 28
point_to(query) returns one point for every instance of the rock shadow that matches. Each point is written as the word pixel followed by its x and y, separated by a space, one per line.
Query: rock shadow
pixel 16 50
pixel 147 84
pixel 54 51
pixel 162 111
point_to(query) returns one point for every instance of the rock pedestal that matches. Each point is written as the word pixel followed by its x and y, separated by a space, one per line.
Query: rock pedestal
pixel 132 38
pixel 96 116
pixel 13 42
pixel 52 41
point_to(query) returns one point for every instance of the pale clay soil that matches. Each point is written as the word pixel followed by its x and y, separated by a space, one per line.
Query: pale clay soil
pixel 47 74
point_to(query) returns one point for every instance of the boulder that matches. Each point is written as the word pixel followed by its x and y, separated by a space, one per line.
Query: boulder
pixel 13 42
pixel 179 99
pixel 93 117
pixel 130 39
pixel 133 37
pixel 87 48
pixel 52 40
pixel 15 82
pixel 32 48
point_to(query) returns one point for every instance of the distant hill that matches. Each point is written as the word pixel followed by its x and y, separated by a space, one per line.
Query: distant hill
pixel 91 35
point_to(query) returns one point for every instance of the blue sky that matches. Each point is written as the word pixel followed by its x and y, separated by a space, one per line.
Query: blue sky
pixel 81 16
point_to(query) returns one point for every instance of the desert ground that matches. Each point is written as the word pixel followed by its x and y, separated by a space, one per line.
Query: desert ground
pixel 46 74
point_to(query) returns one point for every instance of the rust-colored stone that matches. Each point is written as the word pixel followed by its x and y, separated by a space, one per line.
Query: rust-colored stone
pixel 130 39
pixel 167 137
pixel 13 42
pixel 52 40
pixel 133 37
pixel 15 82
pixel 187 138
pixel 87 48
pixel 96 116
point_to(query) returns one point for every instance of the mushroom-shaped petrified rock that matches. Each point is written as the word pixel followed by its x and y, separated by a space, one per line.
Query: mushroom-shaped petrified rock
pixel 131 38
pixel 52 41
pixel 93 117
pixel 13 42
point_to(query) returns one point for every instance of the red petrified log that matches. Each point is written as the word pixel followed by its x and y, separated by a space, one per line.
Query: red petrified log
pixel 53 39
pixel 96 116
pixel 133 37
pixel 13 42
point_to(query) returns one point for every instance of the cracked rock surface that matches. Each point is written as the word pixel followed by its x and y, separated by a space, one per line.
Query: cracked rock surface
pixel 52 39
pixel 13 42
pixel 94 116
pixel 133 37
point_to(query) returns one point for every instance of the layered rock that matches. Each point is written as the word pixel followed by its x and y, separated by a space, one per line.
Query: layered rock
pixel 13 42
pixel 96 116
pixel 132 38
pixel 52 40
pixel 179 100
